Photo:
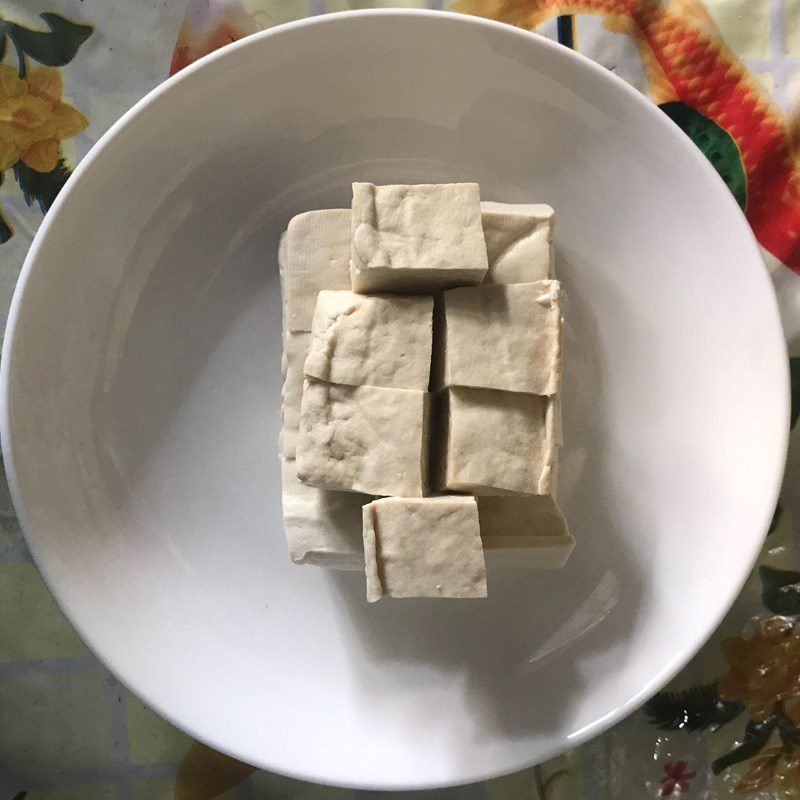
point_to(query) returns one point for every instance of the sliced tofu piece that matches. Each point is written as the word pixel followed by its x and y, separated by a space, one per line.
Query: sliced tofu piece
pixel 317 257
pixel 364 439
pixel 504 337
pixel 524 531
pixel 498 442
pixel 427 547
pixel 322 527
pixel 519 242
pixel 282 277
pixel 376 340
pixel 559 398
pixel 417 238
pixel 295 349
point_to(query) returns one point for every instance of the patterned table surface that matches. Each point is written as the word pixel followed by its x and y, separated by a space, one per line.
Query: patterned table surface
pixel 727 73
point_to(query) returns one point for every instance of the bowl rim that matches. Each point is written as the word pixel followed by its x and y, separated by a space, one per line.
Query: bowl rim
pixel 190 73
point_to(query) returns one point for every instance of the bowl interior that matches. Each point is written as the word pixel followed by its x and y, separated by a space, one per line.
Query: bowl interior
pixel 142 397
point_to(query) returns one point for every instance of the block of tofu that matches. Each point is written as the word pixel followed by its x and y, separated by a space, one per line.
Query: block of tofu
pixel 322 527
pixel 295 349
pixel 371 340
pixel 519 242
pixel 317 257
pixel 524 531
pixel 416 238
pixel 497 442
pixel 504 337
pixel 428 547
pixel 364 439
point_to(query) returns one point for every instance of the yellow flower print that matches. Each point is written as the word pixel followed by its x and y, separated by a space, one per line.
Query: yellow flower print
pixel 764 670
pixel 33 119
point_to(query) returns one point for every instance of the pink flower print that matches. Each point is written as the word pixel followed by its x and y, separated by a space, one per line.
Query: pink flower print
pixel 676 778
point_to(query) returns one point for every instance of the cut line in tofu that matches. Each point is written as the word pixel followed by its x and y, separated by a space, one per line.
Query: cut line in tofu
pixel 416 238
pixel 295 349
pixel 317 257
pixel 322 527
pixel 519 242
pixel 364 438
pixel 524 531
pixel 371 340
pixel 437 344
pixel 427 547
pixel 496 442
pixel 504 337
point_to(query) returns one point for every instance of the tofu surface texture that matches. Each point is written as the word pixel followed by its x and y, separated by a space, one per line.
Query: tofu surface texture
pixel 416 239
pixel 371 340
pixel 498 442
pixel 524 531
pixel 317 257
pixel 504 337
pixel 429 547
pixel 282 278
pixel 322 527
pixel 519 242
pixel 364 439
pixel 295 348
pixel 358 360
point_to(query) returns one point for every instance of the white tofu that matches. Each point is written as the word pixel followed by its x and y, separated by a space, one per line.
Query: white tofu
pixel 519 242
pixel 524 531
pixel 282 253
pixel 317 257
pixel 364 439
pixel 498 442
pixel 427 547
pixel 282 278
pixel 504 337
pixel 558 419
pixel 559 398
pixel 417 238
pixel 322 527
pixel 295 349
pixel 376 340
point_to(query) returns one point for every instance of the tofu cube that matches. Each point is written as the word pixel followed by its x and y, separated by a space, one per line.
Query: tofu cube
pixel 428 547
pixel 524 531
pixel 375 340
pixel 505 337
pixel 416 238
pixel 364 439
pixel 322 528
pixel 295 349
pixel 498 442
pixel 317 257
pixel 519 242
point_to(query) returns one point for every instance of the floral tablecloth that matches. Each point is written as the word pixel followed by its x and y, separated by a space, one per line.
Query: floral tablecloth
pixel 726 72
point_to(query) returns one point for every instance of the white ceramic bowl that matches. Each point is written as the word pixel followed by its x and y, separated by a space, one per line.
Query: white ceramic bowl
pixel 140 387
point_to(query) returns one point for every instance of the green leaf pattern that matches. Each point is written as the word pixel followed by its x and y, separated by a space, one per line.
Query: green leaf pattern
pixel 756 736
pixel 693 709
pixel 780 590
pixel 716 144
pixel 53 48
